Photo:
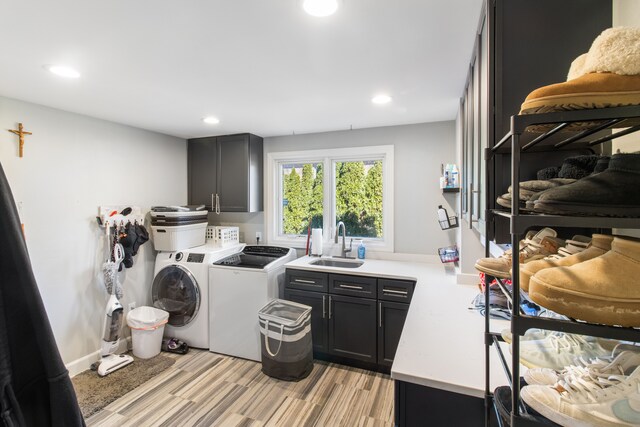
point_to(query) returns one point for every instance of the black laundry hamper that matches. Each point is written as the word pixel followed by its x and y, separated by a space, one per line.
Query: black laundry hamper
pixel 287 350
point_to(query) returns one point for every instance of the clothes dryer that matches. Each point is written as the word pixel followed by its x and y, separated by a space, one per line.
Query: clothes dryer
pixel 180 287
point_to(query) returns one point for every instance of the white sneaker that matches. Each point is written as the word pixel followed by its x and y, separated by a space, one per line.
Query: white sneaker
pixel 623 364
pixel 530 335
pixel 558 350
pixel 581 402
pixel 532 247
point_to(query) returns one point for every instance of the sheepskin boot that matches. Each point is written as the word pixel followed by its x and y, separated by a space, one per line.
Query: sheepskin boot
pixel 548 173
pixel 600 244
pixel 613 192
pixel 602 165
pixel 577 167
pixel 529 189
pixel 601 290
pixel 534 246
pixel 606 76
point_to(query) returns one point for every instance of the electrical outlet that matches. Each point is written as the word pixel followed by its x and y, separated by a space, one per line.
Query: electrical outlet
pixel 258 235
pixel 132 305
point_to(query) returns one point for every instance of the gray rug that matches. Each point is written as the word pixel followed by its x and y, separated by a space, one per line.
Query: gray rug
pixel 95 392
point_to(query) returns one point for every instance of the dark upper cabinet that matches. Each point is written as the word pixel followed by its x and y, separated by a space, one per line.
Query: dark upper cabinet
pixel 352 328
pixel 319 318
pixel 226 172
pixel 202 159
pixel 521 45
pixel 391 317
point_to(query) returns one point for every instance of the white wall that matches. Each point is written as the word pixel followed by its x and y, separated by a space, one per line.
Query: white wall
pixel 419 150
pixel 73 164
pixel 626 13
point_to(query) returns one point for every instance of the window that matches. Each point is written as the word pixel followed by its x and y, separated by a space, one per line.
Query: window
pixel 321 188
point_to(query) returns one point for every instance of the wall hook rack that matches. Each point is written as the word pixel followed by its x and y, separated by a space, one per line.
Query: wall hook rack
pixel 109 216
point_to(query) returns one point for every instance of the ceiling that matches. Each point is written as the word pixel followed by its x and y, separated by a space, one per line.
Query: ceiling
pixel 260 66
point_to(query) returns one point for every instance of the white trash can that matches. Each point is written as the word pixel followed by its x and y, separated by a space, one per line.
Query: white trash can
pixel 147 327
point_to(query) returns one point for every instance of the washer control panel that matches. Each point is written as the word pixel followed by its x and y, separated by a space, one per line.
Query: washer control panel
pixel 199 258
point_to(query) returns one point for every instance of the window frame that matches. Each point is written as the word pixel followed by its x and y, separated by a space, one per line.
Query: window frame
pixel 328 157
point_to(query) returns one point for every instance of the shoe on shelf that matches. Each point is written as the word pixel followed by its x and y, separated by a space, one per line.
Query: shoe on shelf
pixel 502 399
pixel 613 192
pixel 530 335
pixel 623 364
pixel 559 349
pixel 574 253
pixel 576 244
pixel 533 247
pixel 606 76
pixel 581 402
pixel 601 290
pixel 530 188
pixel 578 167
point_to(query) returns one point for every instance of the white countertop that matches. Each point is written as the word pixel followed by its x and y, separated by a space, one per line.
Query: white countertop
pixel 442 343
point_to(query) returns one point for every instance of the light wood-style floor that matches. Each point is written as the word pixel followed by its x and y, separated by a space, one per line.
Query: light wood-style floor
pixel 208 389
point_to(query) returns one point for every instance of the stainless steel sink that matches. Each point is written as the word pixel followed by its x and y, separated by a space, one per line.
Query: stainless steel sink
pixel 337 263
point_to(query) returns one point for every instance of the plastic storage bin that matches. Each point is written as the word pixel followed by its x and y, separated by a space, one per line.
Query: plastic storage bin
pixel 147 327
pixel 287 351
pixel 179 237
pixel 223 236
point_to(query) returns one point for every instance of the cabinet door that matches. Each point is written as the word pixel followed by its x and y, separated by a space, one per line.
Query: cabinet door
pixel 391 317
pixel 202 156
pixel 352 327
pixel 233 173
pixel 318 303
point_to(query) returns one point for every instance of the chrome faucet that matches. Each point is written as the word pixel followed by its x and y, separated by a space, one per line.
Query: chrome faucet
pixel 345 251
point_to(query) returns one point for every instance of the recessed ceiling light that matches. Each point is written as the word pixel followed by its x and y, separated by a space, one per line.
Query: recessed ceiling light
pixel 320 8
pixel 381 99
pixel 62 71
pixel 211 120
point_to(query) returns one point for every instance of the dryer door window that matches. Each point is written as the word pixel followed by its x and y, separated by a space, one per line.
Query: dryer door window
pixel 175 290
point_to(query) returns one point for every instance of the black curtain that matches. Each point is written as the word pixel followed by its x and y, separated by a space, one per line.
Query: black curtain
pixel 35 388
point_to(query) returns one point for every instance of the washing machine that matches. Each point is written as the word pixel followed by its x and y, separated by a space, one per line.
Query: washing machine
pixel 180 287
pixel 239 286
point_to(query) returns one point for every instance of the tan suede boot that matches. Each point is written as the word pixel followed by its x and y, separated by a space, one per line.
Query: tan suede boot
pixel 600 243
pixel 605 289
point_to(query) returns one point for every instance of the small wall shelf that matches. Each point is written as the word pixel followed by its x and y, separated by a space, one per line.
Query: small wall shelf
pixel 451 190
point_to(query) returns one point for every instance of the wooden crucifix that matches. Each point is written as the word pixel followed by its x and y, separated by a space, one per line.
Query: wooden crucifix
pixel 21 133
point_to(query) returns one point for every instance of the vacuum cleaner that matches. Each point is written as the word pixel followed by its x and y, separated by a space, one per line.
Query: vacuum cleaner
pixel 114 315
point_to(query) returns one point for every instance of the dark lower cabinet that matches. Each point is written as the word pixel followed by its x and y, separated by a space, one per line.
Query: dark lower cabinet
pixel 319 319
pixel 391 317
pixel 352 328
pixel 355 320
pixel 419 406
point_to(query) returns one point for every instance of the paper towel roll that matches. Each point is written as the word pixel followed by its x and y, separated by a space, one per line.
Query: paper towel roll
pixel 316 241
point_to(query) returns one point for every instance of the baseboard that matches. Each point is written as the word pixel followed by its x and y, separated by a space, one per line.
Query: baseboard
pixel 467 279
pixel 82 364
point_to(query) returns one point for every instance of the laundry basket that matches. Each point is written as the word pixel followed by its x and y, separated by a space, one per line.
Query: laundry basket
pixel 287 351
pixel 147 327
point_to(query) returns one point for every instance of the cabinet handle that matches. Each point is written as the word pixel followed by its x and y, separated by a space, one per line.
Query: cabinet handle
pixel 329 306
pixel 471 205
pixel 393 291
pixel 217 204
pixel 324 309
pixel 312 282
pixel 351 287
pixel 380 314
pixel 213 206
